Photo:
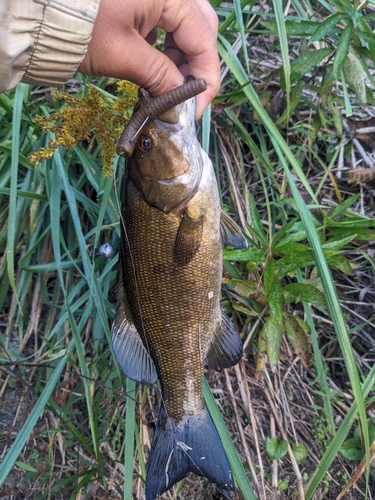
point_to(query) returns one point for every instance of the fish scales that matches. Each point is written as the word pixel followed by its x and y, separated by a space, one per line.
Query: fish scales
pixel 175 308
pixel 168 322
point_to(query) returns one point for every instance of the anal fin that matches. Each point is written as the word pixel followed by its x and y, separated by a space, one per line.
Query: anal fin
pixel 131 354
pixel 231 235
pixel 225 349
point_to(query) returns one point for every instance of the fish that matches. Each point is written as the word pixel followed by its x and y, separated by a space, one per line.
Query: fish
pixel 169 323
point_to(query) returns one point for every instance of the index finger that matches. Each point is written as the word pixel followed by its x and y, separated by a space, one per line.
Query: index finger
pixel 194 28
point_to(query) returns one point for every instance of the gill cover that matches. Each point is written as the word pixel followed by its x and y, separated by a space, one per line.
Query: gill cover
pixel 166 165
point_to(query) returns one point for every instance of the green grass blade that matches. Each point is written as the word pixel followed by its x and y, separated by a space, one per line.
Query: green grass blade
pixel 87 382
pixel 332 302
pixel 84 440
pixel 340 436
pixel 206 129
pixel 21 439
pixel 280 21
pixel 229 20
pixel 239 19
pixel 92 281
pixel 12 220
pixel 321 369
pixel 329 289
pixel 129 439
pixel 234 460
pixel 230 58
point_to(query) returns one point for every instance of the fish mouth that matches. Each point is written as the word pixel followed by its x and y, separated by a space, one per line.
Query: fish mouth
pixel 152 108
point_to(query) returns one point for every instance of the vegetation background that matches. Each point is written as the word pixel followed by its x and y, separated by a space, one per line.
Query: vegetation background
pixel 292 138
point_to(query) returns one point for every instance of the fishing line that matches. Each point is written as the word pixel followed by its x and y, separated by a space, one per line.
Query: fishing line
pixel 177 444
pixel 136 284
pixel 132 268
pixel 169 422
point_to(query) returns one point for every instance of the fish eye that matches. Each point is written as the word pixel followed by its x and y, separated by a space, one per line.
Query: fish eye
pixel 144 144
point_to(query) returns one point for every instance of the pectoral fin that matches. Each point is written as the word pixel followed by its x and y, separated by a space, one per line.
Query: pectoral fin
pixel 188 239
pixel 226 347
pixel 131 354
pixel 231 235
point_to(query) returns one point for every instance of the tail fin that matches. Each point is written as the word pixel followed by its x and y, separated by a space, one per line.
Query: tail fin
pixel 193 445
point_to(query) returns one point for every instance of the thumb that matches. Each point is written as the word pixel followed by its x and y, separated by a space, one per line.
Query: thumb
pixel 150 68
pixel 130 57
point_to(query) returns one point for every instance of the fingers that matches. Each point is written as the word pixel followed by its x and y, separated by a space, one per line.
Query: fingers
pixel 152 36
pixel 118 46
pixel 194 26
pixel 173 51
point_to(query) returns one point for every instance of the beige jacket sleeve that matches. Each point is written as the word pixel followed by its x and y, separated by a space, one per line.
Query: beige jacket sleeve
pixel 43 41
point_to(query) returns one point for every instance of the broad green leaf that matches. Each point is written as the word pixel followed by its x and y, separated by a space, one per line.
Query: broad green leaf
pixel 297 337
pixel 283 230
pixel 247 288
pixel 342 207
pixel 269 276
pixel 300 452
pixel 289 247
pixel 347 101
pixel 338 244
pixel 293 28
pixel 355 76
pixel 326 26
pixel 342 49
pixel 306 292
pixel 273 332
pixel 292 262
pixel 26 467
pixel 305 62
pixel 295 99
pixel 352 449
pixel 370 16
pixel 340 262
pixel 245 310
pixel 276 449
pixel 369 37
pixel 336 114
pixel 249 254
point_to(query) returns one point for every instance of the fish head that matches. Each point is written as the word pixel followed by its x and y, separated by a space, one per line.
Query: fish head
pixel 167 161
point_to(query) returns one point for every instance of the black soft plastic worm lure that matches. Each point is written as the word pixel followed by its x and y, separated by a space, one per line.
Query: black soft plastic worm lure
pixel 153 109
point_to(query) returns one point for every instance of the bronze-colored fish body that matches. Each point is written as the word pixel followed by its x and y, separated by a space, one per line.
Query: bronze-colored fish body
pixel 169 322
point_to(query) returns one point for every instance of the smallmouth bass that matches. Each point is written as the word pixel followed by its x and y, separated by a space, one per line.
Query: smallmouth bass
pixel 169 323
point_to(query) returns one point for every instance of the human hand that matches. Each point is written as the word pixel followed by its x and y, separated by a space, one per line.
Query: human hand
pixel 118 47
